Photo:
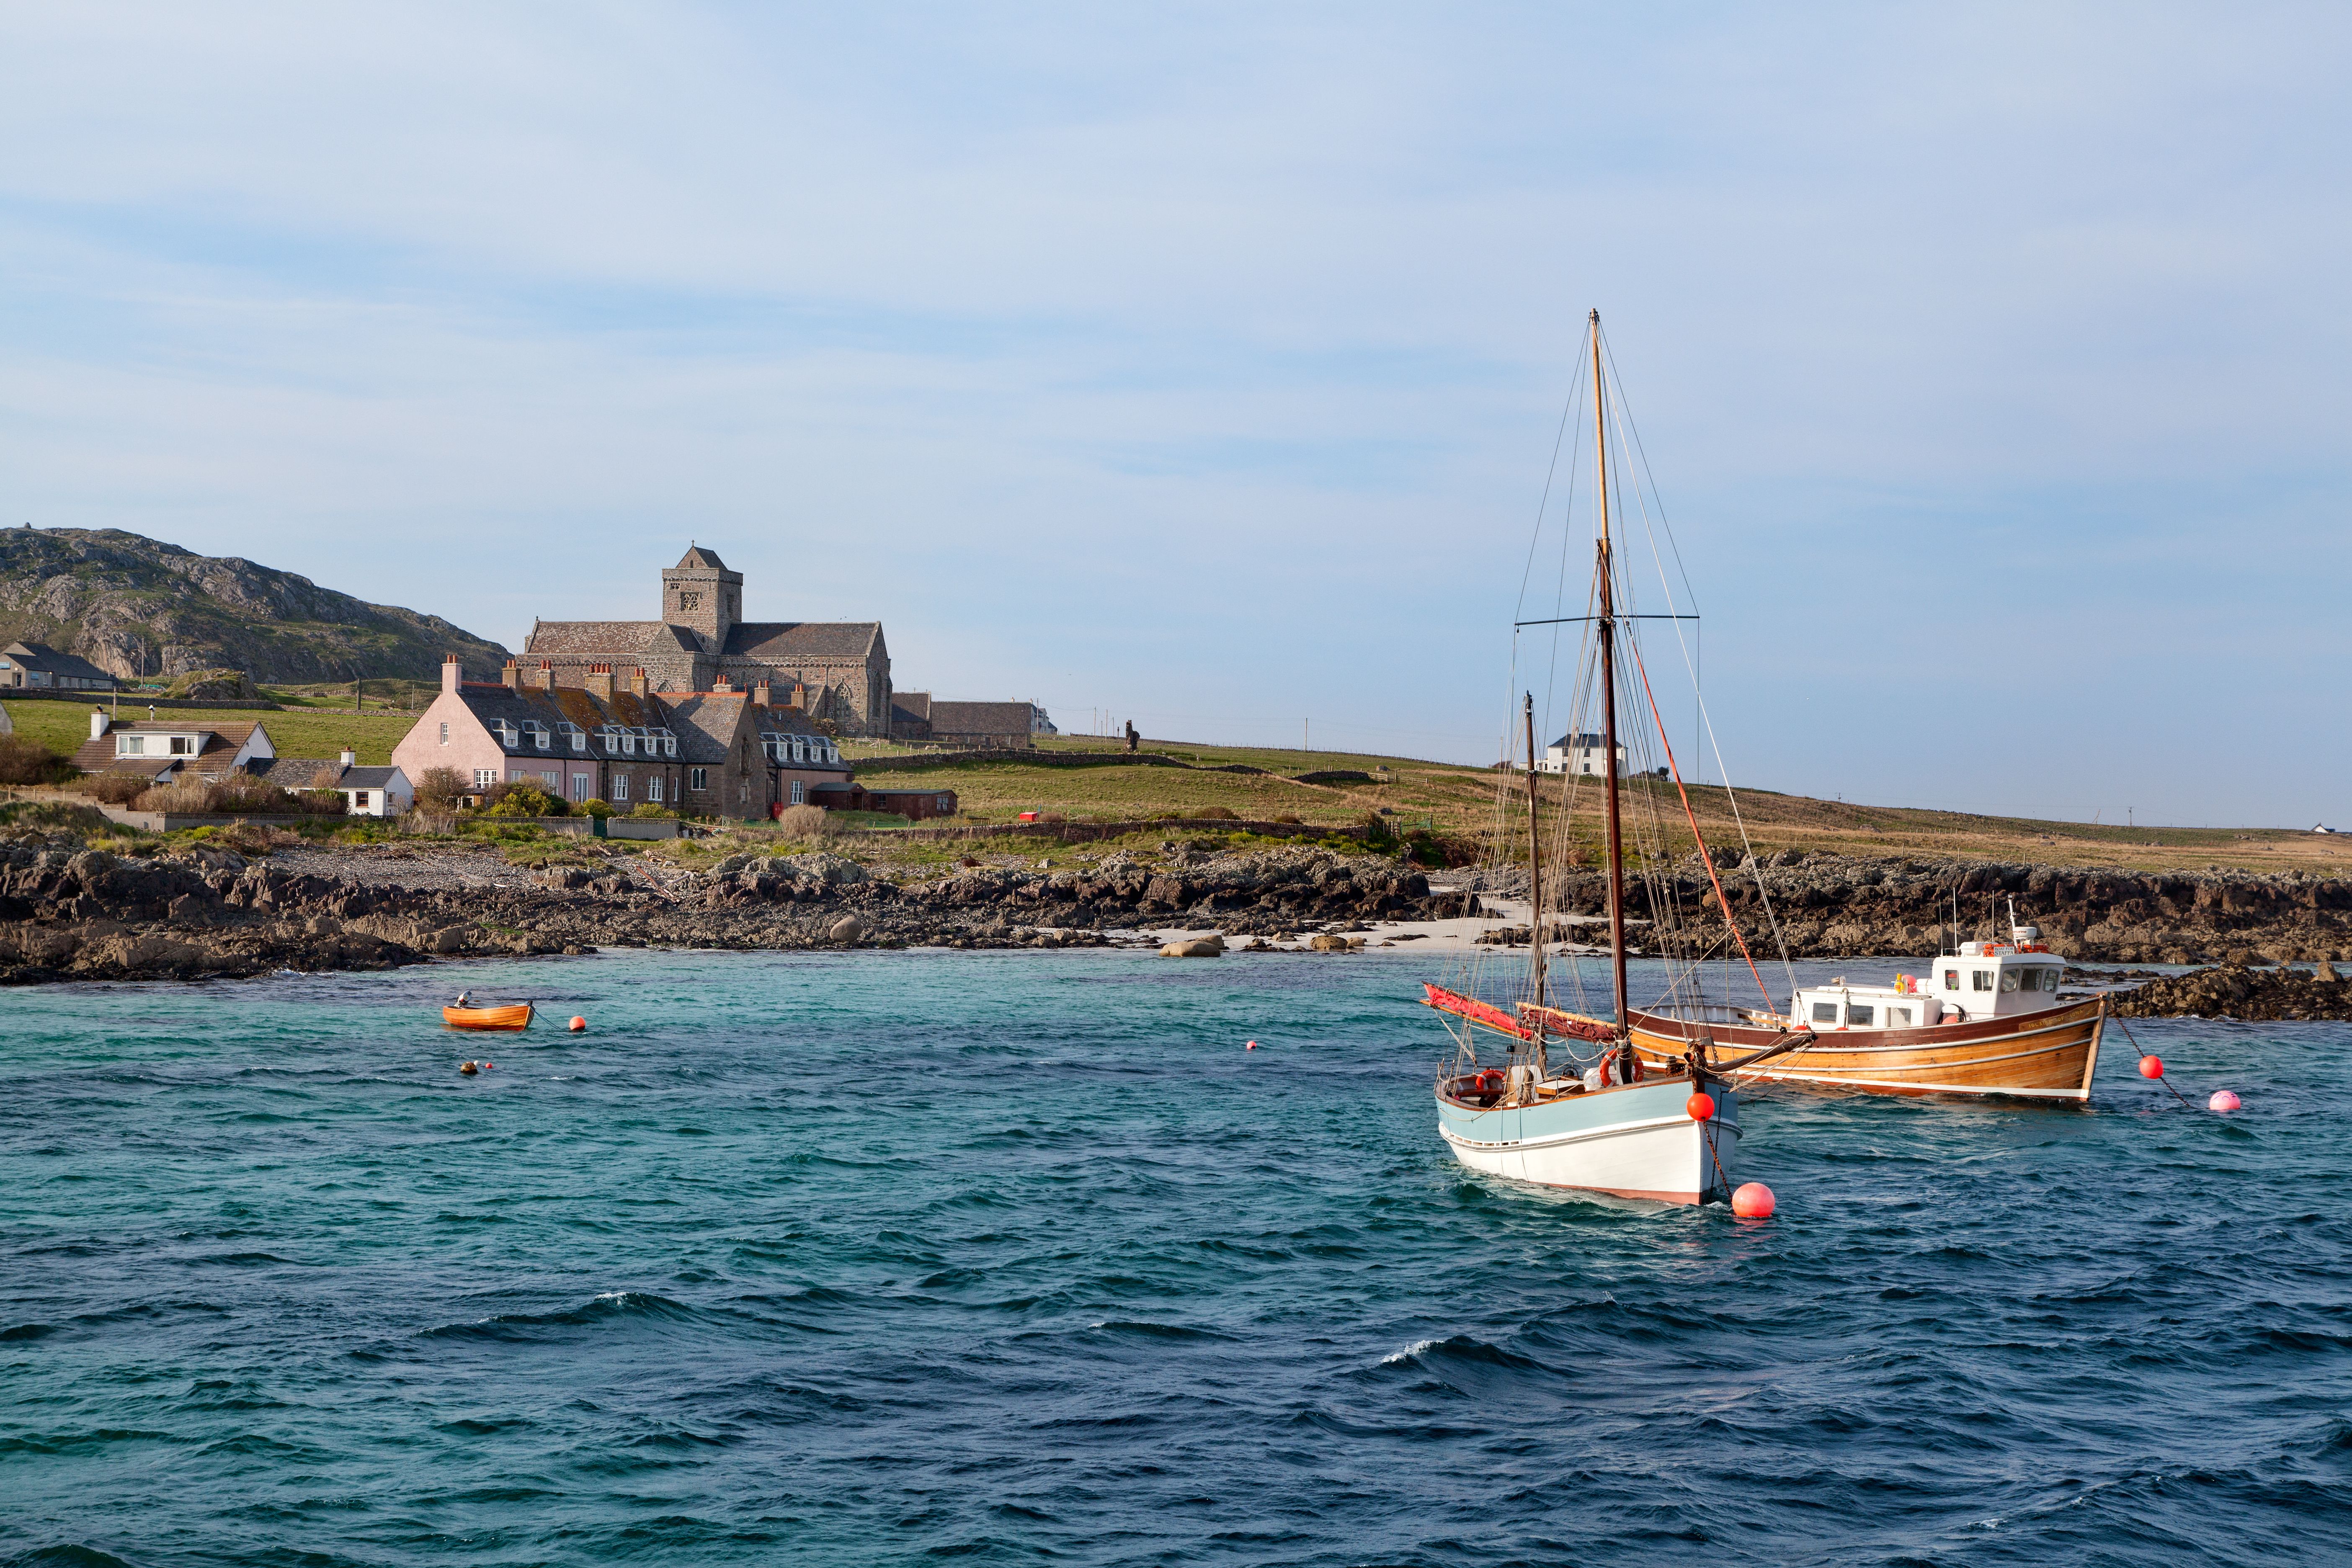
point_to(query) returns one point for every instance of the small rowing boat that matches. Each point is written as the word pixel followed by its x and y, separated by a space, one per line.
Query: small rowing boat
pixel 516 1018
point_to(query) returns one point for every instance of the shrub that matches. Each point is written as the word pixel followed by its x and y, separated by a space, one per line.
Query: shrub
pixel 650 811
pixel 437 789
pixel 594 808
pixel 806 821
pixel 521 800
pixel 190 796
pixel 1215 813
pixel 25 761
pixel 322 803
pixel 116 789
pixel 241 793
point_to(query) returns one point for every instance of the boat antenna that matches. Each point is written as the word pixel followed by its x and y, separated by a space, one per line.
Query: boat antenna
pixel 1534 863
pixel 1608 629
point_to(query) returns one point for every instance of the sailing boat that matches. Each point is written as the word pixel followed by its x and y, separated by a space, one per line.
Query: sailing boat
pixel 1667 1130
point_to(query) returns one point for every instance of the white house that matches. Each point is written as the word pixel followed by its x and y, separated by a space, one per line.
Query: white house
pixel 1579 753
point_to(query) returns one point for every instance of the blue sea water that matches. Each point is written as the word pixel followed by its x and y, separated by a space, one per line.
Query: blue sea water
pixel 1021 1258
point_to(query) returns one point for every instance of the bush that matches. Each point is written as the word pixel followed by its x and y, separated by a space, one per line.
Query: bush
pixel 652 812
pixel 1215 813
pixel 191 797
pixel 25 761
pixel 594 808
pixel 116 789
pixel 437 789
pixel 521 800
pixel 806 821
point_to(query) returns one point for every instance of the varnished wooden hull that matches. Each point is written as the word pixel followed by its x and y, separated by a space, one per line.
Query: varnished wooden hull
pixel 488 1018
pixel 2048 1055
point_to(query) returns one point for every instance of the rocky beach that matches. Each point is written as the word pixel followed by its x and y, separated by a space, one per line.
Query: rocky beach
pixel 75 912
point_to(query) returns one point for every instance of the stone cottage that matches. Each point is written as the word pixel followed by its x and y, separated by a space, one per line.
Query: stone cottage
pixel 835 670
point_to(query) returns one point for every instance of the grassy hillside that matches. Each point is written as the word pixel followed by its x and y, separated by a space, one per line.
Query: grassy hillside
pixel 1457 802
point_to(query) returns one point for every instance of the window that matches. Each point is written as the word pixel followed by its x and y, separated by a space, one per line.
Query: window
pixel 485 777
pixel 580 783
pixel 1824 1012
pixel 444 734
pixel 133 746
pixel 183 746
pixel 1856 1013
pixel 2041 978
pixel 552 779
pixel 1951 980
pixel 620 786
pixel 577 736
pixel 687 601
pixel 1898 1018
pixel 943 803
pixel 2007 981
pixel 359 800
pixel 698 778
pixel 800 792
pixel 1979 979
pixel 653 788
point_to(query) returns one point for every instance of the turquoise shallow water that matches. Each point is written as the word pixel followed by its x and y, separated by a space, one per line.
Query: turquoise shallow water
pixel 1020 1258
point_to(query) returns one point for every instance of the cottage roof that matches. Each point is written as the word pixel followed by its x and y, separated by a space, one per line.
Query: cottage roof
pixel 42 658
pixel 780 642
pixel 600 639
pixel 707 723
pixel 368 778
pixel 215 743
pixel 495 705
pixel 980 718
pixel 699 557
pixel 913 704
pixel 1579 742
pixel 295 773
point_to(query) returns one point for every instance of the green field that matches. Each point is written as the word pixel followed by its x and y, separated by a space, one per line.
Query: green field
pixel 295 732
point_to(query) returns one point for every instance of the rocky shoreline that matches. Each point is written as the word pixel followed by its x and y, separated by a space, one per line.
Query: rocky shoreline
pixel 70 912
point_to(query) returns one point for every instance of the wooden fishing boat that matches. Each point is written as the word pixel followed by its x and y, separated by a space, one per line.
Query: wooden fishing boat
pixel 1976 1023
pixel 1610 1123
pixel 515 1017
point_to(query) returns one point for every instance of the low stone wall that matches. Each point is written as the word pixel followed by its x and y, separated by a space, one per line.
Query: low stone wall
pixel 1036 759
pixel 1087 832
pixel 173 821
pixel 106 700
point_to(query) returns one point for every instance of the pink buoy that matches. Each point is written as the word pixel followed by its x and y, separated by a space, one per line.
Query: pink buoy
pixel 2151 1067
pixel 1251 1046
pixel 1754 1200
pixel 2222 1101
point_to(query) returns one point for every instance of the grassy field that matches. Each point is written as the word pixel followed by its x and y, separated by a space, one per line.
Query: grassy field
pixel 1458 803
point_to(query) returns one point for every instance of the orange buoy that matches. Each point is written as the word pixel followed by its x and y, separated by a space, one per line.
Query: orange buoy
pixel 1754 1200
pixel 579 1024
pixel 1701 1107
pixel 2151 1067
pixel 2222 1101
pixel 1251 1046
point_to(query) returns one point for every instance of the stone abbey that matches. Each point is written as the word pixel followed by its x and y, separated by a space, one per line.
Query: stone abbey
pixel 835 670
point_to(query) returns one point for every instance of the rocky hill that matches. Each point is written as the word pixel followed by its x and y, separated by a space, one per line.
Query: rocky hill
pixel 137 607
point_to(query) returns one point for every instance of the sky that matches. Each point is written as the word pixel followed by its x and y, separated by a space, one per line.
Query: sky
pixel 1202 365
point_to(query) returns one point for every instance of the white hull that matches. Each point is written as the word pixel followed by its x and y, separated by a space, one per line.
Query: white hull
pixel 1634 1143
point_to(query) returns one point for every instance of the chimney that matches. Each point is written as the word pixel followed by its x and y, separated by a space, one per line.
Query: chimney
pixel 545 679
pixel 98 723
pixel 452 672
pixel 763 695
pixel 637 681
pixel 721 683
pixel 513 675
pixel 600 682
pixel 351 758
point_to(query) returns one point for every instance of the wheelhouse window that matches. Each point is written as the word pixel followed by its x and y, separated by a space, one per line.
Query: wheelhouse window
pixel 1951 980
pixel 1856 1013
pixel 1898 1018
pixel 1979 979
pixel 2007 981
pixel 1824 1012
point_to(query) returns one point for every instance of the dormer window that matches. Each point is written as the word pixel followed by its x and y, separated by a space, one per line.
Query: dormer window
pixel 660 741
pixel 131 746
pixel 610 735
pixel 536 733
pixel 183 746
pixel 573 735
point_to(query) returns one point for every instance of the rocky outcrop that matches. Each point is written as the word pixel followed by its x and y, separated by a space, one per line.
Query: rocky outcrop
pixel 2235 992
pixel 137 607
pixel 1837 906
pixel 70 912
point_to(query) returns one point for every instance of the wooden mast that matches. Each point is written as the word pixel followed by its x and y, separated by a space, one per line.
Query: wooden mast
pixel 1535 870
pixel 1609 705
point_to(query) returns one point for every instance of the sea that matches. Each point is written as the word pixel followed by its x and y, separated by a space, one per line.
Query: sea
pixel 1026 1258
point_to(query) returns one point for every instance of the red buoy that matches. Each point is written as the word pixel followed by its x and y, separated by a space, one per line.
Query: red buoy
pixel 1701 1107
pixel 579 1026
pixel 2151 1067
pixel 1251 1046
pixel 1754 1200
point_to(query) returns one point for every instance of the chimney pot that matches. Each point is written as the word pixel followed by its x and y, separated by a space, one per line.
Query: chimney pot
pixel 452 672
pixel 351 758
pixel 98 723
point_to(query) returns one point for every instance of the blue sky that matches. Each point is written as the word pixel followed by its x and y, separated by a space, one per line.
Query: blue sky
pixel 1202 364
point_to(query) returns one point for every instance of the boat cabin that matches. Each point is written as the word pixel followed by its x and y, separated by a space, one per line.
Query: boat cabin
pixel 1983 980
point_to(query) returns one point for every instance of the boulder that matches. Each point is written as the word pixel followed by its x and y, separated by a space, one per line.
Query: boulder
pixel 1327 942
pixel 848 927
pixel 1198 947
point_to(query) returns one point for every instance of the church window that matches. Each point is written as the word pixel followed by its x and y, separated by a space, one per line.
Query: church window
pixel 698 778
pixel 686 600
